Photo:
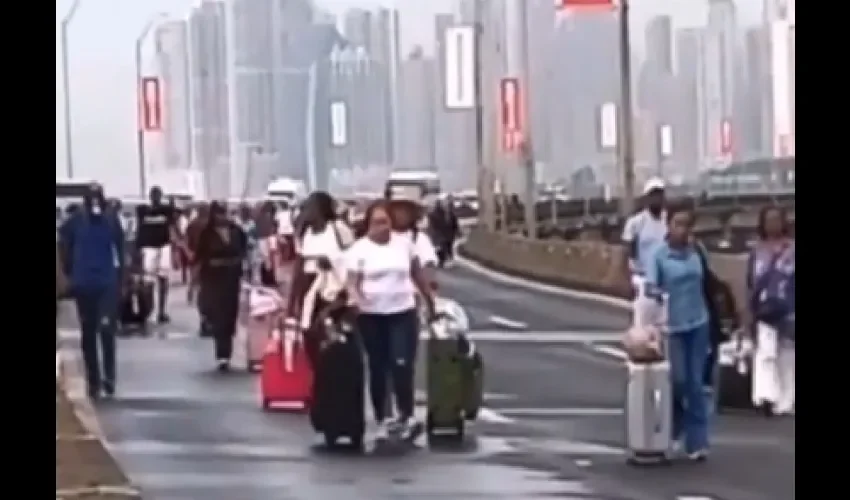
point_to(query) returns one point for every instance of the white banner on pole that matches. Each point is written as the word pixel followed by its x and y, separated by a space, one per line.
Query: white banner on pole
pixel 608 125
pixel 339 124
pixel 665 140
pixel 459 68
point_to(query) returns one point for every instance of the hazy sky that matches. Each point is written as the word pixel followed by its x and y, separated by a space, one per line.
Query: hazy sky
pixel 101 42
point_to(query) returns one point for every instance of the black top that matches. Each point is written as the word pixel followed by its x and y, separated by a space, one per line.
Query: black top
pixel 220 258
pixel 154 225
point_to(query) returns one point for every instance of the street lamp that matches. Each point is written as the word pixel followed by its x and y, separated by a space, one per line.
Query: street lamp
pixel 626 141
pixel 140 131
pixel 66 85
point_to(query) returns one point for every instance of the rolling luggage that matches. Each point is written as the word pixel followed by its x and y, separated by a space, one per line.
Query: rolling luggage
pixel 455 374
pixel 734 380
pixel 265 307
pixel 137 303
pixel 286 378
pixel 649 413
pixel 338 407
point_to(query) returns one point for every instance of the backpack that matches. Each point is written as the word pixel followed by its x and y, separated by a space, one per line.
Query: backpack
pixel 772 294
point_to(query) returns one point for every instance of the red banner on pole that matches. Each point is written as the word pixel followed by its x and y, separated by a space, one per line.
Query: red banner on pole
pixel 510 99
pixel 150 103
pixel 725 137
pixel 581 5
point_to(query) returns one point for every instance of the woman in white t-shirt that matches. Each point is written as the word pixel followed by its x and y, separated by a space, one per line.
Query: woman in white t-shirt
pixel 319 243
pixel 406 215
pixel 385 275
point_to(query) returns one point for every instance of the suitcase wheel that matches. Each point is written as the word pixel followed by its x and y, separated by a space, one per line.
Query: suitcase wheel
pixel 266 404
pixel 330 440
pixel 253 367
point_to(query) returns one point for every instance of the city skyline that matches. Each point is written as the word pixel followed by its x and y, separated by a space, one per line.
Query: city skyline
pixel 101 63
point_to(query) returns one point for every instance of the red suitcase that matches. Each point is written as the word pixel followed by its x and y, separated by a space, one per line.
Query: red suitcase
pixel 286 379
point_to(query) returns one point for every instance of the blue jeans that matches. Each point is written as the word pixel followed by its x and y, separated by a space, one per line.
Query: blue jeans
pixel 688 357
pixel 391 342
pixel 97 310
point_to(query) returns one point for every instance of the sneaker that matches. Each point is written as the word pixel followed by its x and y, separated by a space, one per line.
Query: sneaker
pixel 383 431
pixel 698 456
pixel 410 429
pixel 223 365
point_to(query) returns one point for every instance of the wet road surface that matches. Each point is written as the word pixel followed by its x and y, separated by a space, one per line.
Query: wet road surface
pixel 552 427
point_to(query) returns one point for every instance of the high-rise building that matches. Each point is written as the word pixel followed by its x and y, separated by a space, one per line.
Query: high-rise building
pixel 172 57
pixel 718 127
pixel 752 101
pixel 780 21
pixel 454 151
pixel 659 43
pixel 208 88
pixel 586 77
pixel 416 111
pixel 685 126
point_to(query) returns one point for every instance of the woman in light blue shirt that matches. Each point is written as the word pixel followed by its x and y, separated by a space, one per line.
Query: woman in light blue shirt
pixel 676 270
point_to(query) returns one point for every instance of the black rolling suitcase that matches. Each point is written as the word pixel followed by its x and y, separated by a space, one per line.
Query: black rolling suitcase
pixel 337 409
pixel 137 302
pixel 734 383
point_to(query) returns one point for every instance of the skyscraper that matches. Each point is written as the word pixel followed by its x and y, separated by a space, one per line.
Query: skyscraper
pixel 416 112
pixel 780 20
pixel 659 43
pixel 172 57
pixel 685 127
pixel 586 77
pixel 208 88
pixel 716 86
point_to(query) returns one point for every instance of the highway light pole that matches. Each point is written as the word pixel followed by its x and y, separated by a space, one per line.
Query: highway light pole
pixel 140 126
pixel 518 67
pixel 66 86
pixel 486 200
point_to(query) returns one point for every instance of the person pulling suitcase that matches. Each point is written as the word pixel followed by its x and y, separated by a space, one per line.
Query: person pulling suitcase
pixel 384 277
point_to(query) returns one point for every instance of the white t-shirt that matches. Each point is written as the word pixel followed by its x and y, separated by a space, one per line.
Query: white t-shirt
pixel 325 243
pixel 284 222
pixel 647 231
pixel 424 248
pixel 386 286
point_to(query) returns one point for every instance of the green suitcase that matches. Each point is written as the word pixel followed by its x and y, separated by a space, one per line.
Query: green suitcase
pixel 455 376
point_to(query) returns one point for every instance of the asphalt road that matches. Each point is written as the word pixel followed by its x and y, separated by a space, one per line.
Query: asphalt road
pixel 552 428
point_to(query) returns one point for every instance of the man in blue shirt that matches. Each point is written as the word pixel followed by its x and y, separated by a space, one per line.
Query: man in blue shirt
pixel 92 242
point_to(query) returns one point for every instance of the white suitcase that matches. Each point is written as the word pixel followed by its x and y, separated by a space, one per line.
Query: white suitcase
pixel 649 413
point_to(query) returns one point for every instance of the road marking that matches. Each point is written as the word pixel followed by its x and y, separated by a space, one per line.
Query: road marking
pixel 541 337
pixel 561 412
pixel 614 352
pixel 490 416
pixel 694 497
pixel 509 323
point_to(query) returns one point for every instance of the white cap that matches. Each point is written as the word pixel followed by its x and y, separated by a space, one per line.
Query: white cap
pixel 654 183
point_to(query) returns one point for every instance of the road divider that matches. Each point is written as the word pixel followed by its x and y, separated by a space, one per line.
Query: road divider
pixel 590 267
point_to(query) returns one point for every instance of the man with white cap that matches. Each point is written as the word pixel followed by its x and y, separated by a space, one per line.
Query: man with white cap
pixel 642 233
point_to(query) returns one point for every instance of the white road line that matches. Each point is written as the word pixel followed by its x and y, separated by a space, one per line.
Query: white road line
pixel 509 323
pixel 541 337
pixel 560 412
pixel 614 352
pixel 491 416
pixel 693 497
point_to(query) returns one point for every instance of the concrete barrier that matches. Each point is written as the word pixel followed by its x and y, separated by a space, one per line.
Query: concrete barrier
pixel 590 266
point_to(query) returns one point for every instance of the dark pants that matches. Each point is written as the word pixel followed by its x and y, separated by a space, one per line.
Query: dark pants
pixel 391 341
pixel 97 309
pixel 220 309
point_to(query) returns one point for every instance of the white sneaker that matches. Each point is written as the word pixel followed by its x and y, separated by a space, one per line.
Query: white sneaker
pixel 410 429
pixel 383 431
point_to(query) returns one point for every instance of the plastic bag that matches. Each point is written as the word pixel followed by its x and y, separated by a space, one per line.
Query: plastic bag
pixel 643 344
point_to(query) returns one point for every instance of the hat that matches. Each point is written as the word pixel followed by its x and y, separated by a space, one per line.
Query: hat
pixel 654 184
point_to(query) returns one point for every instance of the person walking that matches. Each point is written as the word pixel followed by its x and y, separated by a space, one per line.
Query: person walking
pixel 385 276
pixel 221 251
pixel 675 274
pixel 771 279
pixel 92 242
pixel 157 230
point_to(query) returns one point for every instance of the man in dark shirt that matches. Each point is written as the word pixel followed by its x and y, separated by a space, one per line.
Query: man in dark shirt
pixel 157 229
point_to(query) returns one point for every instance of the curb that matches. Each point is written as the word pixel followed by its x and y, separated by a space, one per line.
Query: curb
pixel 477 267
pixel 69 375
